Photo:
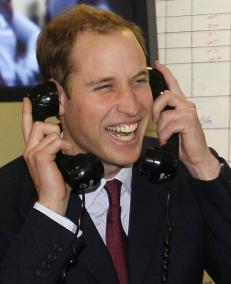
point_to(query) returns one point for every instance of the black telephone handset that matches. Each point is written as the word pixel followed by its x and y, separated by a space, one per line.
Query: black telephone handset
pixel 160 163
pixel 82 172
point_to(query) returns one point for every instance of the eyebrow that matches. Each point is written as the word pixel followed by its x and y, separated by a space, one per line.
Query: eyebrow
pixel 110 79
pixel 141 73
pixel 100 81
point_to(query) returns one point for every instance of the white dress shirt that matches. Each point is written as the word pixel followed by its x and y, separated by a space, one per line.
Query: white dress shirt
pixel 97 204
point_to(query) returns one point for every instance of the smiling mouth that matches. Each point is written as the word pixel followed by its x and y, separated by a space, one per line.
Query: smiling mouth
pixel 123 132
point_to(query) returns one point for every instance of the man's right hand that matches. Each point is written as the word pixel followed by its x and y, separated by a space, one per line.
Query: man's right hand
pixel 43 141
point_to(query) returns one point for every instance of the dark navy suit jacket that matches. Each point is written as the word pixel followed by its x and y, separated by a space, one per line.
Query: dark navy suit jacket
pixel 35 249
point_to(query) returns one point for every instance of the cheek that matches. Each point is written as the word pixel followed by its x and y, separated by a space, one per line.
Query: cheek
pixel 146 101
pixel 86 117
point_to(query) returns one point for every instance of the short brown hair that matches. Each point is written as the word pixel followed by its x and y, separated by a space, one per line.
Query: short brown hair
pixel 55 42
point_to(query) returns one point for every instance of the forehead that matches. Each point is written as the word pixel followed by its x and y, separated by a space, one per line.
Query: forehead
pixel 100 50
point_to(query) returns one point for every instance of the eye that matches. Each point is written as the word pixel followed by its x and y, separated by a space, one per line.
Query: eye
pixel 104 87
pixel 141 80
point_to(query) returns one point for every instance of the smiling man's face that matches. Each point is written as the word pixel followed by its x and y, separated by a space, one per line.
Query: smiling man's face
pixel 110 98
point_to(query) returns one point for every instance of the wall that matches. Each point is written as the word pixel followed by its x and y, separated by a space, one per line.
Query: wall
pixel 194 40
pixel 11 142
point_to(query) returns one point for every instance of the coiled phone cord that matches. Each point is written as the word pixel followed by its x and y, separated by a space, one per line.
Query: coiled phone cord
pixel 166 245
pixel 78 244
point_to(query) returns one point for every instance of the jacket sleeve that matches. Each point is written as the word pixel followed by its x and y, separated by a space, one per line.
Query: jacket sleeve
pixel 39 253
pixel 33 247
pixel 214 200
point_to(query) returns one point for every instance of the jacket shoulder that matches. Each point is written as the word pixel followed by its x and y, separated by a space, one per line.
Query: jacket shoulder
pixel 15 174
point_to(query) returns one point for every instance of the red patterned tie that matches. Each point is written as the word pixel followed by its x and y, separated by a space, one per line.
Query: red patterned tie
pixel 116 239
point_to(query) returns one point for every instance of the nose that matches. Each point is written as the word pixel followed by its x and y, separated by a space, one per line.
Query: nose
pixel 128 101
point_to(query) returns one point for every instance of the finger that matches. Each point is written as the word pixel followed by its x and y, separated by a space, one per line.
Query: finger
pixel 27 120
pixel 168 76
pixel 61 145
pixel 168 98
pixel 41 156
pixel 65 146
pixel 176 121
pixel 53 147
pixel 165 118
pixel 44 142
pixel 39 131
pixel 166 131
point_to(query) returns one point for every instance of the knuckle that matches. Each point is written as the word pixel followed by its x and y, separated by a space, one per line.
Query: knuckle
pixel 192 105
pixel 37 124
pixel 28 156
pixel 39 157
pixel 162 138
pixel 57 140
pixel 189 118
pixel 54 136
pixel 164 115
pixel 54 128
pixel 57 128
pixel 174 81
pixel 25 155
pixel 168 130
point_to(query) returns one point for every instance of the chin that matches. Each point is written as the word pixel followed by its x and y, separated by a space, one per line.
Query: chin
pixel 126 160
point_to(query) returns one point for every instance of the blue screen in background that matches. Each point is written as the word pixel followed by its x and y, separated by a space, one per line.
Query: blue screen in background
pixel 19 32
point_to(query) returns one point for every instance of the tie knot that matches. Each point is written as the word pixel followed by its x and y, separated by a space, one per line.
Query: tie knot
pixel 113 188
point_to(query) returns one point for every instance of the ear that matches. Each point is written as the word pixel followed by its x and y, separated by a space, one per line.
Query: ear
pixel 62 97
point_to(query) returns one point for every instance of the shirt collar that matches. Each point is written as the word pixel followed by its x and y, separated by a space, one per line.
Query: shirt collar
pixel 124 175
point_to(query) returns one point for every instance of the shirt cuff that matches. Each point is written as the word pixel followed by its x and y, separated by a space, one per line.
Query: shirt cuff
pixel 63 221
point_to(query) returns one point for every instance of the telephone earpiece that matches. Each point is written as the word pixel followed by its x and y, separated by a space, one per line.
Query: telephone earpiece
pixel 45 101
pixel 160 163
pixel 82 172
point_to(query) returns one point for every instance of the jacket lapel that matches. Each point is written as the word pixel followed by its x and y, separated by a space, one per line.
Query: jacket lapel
pixel 146 230
pixel 94 256
pixel 147 223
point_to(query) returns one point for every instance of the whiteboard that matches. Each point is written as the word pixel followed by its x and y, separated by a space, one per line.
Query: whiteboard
pixel 194 41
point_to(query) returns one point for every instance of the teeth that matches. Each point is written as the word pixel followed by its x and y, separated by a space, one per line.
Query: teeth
pixel 118 132
pixel 125 128
pixel 122 137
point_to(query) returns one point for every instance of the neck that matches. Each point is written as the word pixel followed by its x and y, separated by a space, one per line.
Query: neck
pixel 110 170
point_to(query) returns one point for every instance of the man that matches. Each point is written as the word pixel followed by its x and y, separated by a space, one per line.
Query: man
pixel 97 61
